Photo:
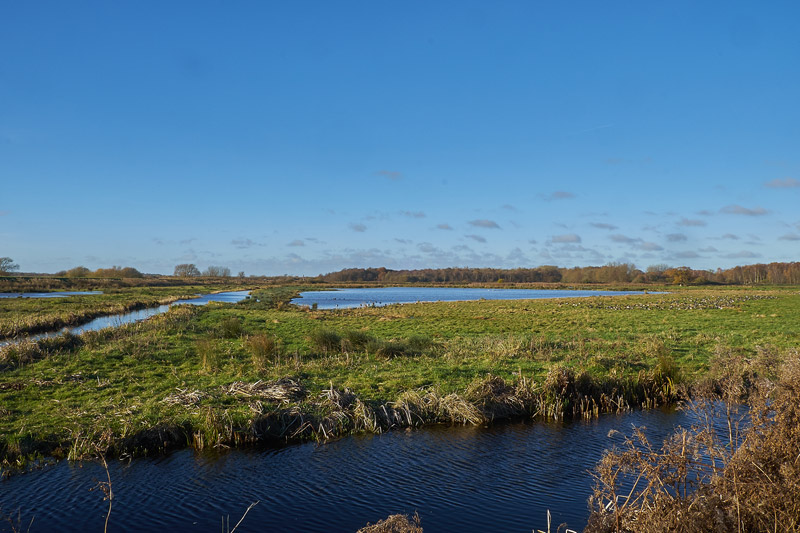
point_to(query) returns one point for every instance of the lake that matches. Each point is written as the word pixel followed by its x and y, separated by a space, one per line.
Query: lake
pixel 381 296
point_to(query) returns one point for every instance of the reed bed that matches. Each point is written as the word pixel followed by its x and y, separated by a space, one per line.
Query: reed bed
pixel 701 479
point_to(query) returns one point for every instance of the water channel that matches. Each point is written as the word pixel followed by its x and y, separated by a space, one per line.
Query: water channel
pixel 467 479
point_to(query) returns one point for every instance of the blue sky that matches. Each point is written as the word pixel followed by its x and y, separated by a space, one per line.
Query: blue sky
pixel 306 137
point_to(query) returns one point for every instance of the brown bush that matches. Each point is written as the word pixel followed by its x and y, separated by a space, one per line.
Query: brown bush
pixel 699 480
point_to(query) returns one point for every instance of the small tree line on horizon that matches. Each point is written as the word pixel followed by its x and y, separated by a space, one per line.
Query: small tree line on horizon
pixel 787 273
pixel 772 273
pixel 187 270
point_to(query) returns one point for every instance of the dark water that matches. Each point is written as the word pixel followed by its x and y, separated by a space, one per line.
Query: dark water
pixel 350 298
pixel 62 294
pixel 466 479
pixel 112 321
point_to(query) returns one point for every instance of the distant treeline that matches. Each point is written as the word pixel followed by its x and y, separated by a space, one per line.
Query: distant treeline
pixel 113 272
pixel 772 273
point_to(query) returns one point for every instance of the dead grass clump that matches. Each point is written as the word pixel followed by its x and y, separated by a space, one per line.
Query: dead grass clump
pixel 395 523
pixel 19 354
pixel 497 398
pixel 745 477
pixel 420 407
pixel 284 390
pixel 185 397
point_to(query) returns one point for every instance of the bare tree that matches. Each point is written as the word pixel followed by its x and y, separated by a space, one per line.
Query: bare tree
pixel 7 265
pixel 186 270
pixel 217 272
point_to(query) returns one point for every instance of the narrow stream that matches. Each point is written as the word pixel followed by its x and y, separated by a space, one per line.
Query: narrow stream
pixel 111 321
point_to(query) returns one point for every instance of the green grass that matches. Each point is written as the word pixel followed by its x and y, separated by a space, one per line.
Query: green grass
pixel 120 390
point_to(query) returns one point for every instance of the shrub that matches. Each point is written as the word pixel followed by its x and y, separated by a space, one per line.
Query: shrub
pixel 230 328
pixel 326 340
pixel 358 340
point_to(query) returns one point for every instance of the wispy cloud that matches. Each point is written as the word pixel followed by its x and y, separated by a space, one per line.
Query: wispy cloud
pixel 790 237
pixel 483 223
pixel 623 238
pixel 603 225
pixel 358 227
pixel 444 227
pixel 650 247
pixel 691 222
pixel 427 248
pixel 744 254
pixel 739 210
pixel 561 195
pixel 404 241
pixel 676 237
pixel 413 214
pixel 509 207
pixel 4 213
pixel 730 236
pixel 705 213
pixel 565 238
pixel 477 238
pixel 390 174
pixel 297 242
pixel 245 243
pixel 786 183
pixel 687 255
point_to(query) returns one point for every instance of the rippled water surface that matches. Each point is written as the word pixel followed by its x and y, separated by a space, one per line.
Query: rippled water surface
pixel 380 296
pixel 464 479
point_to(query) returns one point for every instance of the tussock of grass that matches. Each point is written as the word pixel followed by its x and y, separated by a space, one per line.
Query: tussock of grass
pixel 395 524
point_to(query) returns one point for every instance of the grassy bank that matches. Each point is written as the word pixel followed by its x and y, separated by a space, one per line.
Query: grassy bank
pixel 262 370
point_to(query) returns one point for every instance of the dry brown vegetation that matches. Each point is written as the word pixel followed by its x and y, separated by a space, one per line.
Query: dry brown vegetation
pixel 743 477
pixel 395 523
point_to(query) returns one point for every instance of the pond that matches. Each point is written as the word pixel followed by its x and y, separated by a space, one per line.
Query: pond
pixel 381 296
pixel 130 317
pixel 466 479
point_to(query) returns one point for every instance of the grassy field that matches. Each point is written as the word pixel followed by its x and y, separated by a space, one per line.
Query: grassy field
pixel 227 375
